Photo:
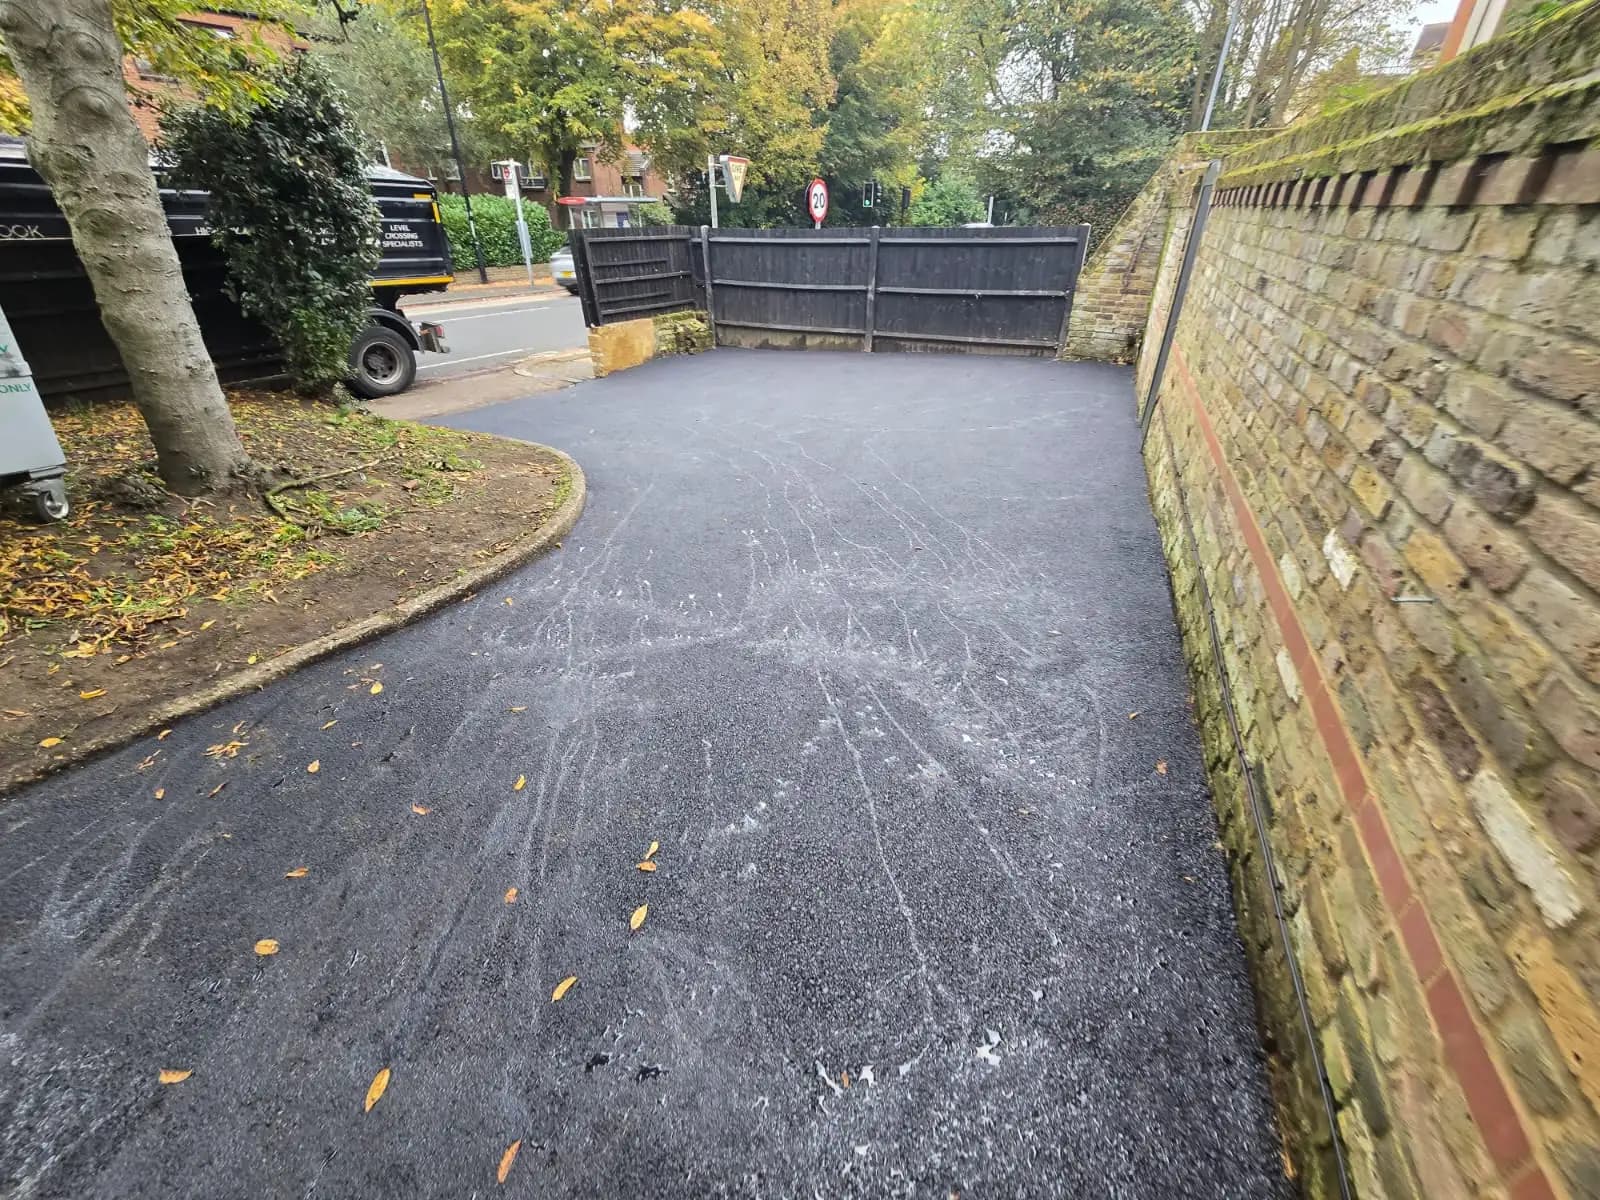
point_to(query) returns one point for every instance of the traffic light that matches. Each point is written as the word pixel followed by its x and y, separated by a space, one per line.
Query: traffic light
pixel 869 193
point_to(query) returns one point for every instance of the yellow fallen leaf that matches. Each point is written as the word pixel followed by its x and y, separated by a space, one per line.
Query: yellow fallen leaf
pixel 161 793
pixel 266 946
pixel 508 599
pixel 94 694
pixel 520 708
pixel 253 659
pixel 162 736
pixel 174 1076
pixel 651 853
pixel 511 895
pixel 331 723
pixel 844 1078
pixel 1133 716
pixel 313 766
pixel 375 688
pixel 563 988
pixel 420 810
pixel 522 782
pixel 1161 767
pixel 380 1081
pixel 297 873
pixel 506 1159
pixel 646 866
pixel 639 914
pixel 50 741
pixel 208 624
pixel 218 788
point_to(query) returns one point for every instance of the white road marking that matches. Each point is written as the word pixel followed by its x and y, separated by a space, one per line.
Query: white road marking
pixel 450 362
pixel 444 318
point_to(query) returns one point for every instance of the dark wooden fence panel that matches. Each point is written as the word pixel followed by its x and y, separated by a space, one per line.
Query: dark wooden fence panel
pixel 629 273
pixel 1002 290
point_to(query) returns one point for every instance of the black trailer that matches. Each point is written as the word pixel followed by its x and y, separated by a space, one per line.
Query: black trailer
pixel 47 297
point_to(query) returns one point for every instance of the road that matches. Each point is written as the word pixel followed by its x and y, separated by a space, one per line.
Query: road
pixel 489 333
pixel 857 639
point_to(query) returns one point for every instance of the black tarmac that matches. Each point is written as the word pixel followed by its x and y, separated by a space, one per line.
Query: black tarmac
pixel 855 638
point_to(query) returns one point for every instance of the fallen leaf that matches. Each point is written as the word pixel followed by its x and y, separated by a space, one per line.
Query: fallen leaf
pixel 266 946
pixel 161 793
pixel 208 624
pixel 1161 767
pixel 520 708
pixel 162 736
pixel 646 866
pixel 375 688
pixel 506 1159
pixel 639 914
pixel 253 659
pixel 50 741
pixel 1133 716
pixel 297 873
pixel 508 599
pixel 420 810
pixel 313 766
pixel 563 988
pixel 511 895
pixel 218 788
pixel 95 694
pixel 844 1078
pixel 522 782
pixel 651 853
pixel 380 1081
pixel 331 723
pixel 174 1076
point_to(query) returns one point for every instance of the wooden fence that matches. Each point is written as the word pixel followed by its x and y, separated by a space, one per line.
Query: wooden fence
pixel 1000 290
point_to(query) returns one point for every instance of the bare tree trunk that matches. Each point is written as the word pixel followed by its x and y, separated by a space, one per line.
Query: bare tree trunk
pixel 86 146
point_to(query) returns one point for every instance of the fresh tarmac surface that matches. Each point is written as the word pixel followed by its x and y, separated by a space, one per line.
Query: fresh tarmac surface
pixel 856 638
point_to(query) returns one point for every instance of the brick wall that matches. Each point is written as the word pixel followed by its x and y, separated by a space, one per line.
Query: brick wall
pixel 1381 429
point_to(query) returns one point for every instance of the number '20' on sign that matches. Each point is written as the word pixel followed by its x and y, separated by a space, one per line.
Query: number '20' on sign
pixel 817 200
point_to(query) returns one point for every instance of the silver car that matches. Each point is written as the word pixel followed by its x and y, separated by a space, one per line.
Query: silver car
pixel 562 270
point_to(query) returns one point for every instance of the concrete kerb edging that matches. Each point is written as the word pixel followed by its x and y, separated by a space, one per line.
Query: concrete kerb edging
pixel 259 676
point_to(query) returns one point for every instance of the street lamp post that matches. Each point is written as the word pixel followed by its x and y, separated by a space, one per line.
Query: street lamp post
pixel 455 146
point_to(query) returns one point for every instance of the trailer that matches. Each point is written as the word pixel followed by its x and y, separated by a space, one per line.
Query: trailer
pixel 47 296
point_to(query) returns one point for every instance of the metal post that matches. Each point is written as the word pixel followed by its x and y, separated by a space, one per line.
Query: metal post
pixel 1202 209
pixel 711 186
pixel 455 146
pixel 872 284
pixel 705 263
pixel 1222 58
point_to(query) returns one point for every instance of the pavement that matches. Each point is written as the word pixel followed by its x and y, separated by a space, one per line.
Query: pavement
pixel 488 333
pixel 858 640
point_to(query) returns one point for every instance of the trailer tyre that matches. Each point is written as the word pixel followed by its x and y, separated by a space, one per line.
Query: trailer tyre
pixel 382 363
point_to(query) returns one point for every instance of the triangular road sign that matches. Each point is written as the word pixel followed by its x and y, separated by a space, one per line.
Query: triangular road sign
pixel 733 170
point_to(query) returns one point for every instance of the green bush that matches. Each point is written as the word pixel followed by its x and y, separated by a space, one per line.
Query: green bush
pixel 496 219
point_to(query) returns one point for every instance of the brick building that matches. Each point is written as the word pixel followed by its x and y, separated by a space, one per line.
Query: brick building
pixel 610 190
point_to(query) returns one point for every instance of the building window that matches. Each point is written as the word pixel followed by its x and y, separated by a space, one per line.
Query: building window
pixel 632 187
pixel 583 217
pixel 582 172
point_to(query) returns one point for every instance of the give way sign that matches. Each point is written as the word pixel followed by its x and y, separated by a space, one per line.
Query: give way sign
pixel 816 201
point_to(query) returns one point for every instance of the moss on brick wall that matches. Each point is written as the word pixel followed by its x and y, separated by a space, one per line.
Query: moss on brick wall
pixel 1385 424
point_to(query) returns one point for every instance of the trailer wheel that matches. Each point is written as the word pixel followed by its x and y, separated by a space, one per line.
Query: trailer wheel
pixel 382 363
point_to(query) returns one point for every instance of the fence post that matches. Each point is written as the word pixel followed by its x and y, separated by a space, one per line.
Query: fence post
pixel 705 264
pixel 872 285
pixel 587 296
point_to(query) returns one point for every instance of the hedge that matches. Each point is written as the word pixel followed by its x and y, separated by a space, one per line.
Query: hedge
pixel 496 219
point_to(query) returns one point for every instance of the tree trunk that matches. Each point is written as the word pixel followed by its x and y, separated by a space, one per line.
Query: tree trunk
pixel 88 149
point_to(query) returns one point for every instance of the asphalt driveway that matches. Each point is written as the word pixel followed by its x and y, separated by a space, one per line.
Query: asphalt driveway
pixel 856 639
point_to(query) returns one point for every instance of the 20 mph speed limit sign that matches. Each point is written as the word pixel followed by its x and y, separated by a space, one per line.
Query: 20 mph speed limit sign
pixel 816 201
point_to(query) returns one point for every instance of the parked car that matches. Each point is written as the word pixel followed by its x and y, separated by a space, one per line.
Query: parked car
pixel 562 269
